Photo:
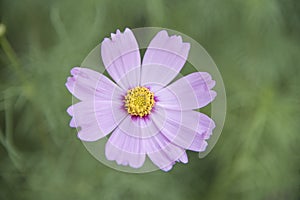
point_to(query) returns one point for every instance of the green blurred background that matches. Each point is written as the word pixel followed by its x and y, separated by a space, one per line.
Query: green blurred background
pixel 254 43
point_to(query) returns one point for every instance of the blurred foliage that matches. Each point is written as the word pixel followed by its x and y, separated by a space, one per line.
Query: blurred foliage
pixel 254 43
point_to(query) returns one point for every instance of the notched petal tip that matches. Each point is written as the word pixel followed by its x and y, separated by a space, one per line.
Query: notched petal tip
pixel 71 80
pixel 211 84
pixel 114 36
pixel 127 30
pixel 213 95
pixel 70 110
pixel 179 38
pixel 205 128
pixel 75 71
pixel 186 45
pixel 72 123
pixel 163 33
pixel 123 156
pixel 204 75
pixel 168 168
pixel 199 144
pixel 203 147
pixel 184 158
pixel 69 85
pixel 173 44
pixel 138 164
pixel 212 125
pixel 105 40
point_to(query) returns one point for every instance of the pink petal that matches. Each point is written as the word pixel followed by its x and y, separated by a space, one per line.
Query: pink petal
pixel 204 131
pixel 184 158
pixel 179 128
pixel 109 114
pixel 206 126
pixel 96 119
pixel 187 129
pixel 121 57
pixel 72 123
pixel 168 168
pixel 125 149
pixel 86 84
pixel 162 152
pixel 190 92
pixel 144 127
pixel 163 136
pixel 163 60
pixel 198 144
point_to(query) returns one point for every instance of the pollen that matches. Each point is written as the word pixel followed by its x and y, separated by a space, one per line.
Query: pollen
pixel 139 101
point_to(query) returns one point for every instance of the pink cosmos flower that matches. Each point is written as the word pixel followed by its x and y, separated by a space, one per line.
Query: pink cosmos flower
pixel 145 113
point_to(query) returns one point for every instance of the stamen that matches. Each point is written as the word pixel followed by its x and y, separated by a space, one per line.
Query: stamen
pixel 139 101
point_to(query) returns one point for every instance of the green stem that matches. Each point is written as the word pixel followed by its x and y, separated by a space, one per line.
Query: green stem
pixel 2 138
pixel 12 56
pixel 7 139
pixel 8 118
pixel 12 153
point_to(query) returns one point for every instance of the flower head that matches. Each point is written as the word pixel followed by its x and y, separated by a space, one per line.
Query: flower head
pixel 146 113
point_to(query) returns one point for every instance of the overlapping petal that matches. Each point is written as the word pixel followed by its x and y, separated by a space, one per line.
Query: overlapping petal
pixel 125 149
pixel 144 127
pixel 187 129
pixel 162 152
pixel 164 137
pixel 128 150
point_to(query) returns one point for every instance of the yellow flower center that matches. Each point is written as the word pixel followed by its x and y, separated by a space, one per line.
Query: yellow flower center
pixel 139 101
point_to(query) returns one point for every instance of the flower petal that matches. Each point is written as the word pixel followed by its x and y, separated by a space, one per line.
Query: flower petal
pixel 184 158
pixel 86 84
pixel 96 119
pixel 186 129
pixel 204 131
pixel 206 126
pixel 164 136
pixel 121 56
pixel 198 144
pixel 125 149
pixel 169 167
pixel 182 127
pixel 144 127
pixel 190 92
pixel 162 152
pixel 179 128
pixel 163 59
